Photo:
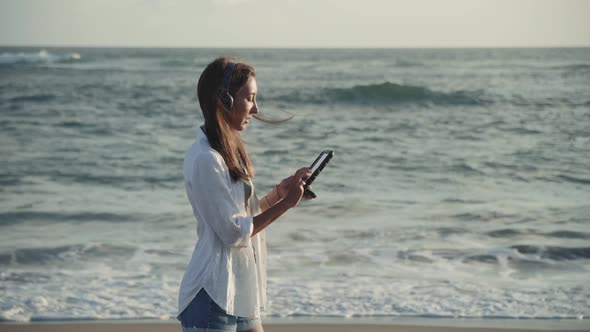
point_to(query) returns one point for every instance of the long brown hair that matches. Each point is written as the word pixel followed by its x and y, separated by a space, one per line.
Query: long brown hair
pixel 221 136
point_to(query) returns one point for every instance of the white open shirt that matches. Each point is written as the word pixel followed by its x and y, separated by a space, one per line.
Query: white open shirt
pixel 226 260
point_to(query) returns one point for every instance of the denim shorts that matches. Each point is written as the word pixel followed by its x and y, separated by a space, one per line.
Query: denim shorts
pixel 203 314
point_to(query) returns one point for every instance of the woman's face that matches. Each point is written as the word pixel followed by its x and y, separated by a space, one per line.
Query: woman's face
pixel 244 105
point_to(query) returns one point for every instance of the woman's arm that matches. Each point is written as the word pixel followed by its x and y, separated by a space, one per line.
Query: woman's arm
pixel 213 201
pixel 272 198
pixel 271 214
pixel 291 199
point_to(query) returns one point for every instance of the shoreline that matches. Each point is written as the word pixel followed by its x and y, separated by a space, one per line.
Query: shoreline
pixel 316 324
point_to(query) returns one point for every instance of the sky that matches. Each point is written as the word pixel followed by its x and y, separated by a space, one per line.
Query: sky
pixel 295 23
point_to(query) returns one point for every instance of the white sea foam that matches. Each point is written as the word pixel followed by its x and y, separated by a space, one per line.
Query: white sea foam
pixel 402 298
pixel 40 57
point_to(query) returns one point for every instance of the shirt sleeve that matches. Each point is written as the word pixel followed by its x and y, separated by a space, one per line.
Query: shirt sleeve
pixel 215 203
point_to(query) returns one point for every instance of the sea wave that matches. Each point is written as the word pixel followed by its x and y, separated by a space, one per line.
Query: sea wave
pixel 37 57
pixel 36 98
pixel 388 93
pixel 574 67
pixel 9 218
pixel 553 252
pixel 573 179
pixel 183 62
pixel 569 235
pixel 524 257
pixel 65 253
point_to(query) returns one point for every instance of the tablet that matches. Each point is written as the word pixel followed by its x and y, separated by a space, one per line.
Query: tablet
pixel 316 167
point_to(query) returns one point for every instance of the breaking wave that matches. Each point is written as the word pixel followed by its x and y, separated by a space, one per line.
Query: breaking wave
pixel 389 93
pixel 37 57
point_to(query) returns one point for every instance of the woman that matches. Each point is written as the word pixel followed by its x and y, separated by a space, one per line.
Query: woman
pixel 224 286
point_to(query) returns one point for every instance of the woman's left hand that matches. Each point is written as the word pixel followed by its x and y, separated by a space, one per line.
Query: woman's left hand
pixel 284 186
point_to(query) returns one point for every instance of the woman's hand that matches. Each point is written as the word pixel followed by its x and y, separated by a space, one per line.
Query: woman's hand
pixel 283 187
pixel 291 188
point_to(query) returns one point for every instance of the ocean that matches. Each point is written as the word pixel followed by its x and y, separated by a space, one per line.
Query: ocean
pixel 460 184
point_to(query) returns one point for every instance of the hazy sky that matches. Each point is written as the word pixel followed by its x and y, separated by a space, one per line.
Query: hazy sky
pixel 296 23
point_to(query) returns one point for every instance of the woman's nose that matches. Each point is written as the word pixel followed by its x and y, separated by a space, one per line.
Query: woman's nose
pixel 255 108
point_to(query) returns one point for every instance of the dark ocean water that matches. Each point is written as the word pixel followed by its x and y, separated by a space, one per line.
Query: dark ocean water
pixel 460 186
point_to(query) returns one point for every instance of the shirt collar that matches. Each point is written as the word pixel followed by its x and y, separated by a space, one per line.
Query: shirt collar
pixel 200 134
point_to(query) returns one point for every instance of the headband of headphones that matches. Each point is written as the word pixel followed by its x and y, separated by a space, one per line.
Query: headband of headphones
pixel 229 70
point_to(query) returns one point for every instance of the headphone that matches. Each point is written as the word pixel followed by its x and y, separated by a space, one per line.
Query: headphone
pixel 224 96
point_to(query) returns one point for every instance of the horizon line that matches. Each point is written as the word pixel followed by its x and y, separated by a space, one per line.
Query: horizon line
pixel 292 47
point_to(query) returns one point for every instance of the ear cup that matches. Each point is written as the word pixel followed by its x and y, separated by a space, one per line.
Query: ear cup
pixel 226 100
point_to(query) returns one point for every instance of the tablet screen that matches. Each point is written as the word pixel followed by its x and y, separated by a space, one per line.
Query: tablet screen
pixel 318 162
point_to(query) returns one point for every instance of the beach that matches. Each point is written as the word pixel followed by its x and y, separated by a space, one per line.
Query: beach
pixel 268 328
pixel 312 325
